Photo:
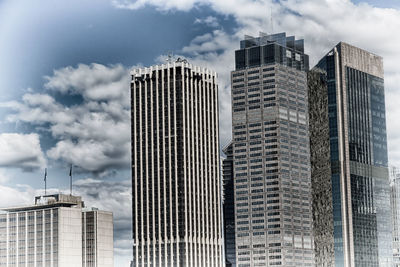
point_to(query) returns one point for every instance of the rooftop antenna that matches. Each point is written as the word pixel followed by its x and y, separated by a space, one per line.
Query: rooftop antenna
pixel 45 181
pixel 70 180
pixel 272 23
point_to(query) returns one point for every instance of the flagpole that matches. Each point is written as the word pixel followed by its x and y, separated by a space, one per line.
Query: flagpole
pixel 70 180
pixel 45 181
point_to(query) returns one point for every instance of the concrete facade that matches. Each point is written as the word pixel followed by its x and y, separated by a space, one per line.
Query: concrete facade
pixel 48 233
pixel 271 157
pixel 176 185
pixel 97 238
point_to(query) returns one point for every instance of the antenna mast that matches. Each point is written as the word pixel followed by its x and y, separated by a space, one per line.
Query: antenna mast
pixel 70 180
pixel 45 181
pixel 272 23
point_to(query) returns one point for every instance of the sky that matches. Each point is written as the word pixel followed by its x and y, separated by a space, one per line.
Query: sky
pixel 64 80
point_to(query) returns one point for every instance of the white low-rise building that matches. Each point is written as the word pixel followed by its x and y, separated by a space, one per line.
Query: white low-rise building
pixel 55 232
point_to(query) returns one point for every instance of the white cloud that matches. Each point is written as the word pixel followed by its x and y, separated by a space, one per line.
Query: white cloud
pixel 20 195
pixel 11 197
pixel 92 155
pixel 4 177
pixel 162 5
pixel 21 151
pixel 209 42
pixel 209 21
pixel 94 82
pixel 37 109
pixel 93 135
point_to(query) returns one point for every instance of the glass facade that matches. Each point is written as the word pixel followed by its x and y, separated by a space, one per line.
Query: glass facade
pixel 335 163
pixel 367 146
pixel 88 239
pixel 358 157
pixel 271 49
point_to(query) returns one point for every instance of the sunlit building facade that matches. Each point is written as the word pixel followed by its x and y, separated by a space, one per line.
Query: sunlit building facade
pixel 176 185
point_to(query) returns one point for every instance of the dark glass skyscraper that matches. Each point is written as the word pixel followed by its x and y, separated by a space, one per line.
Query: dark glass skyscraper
pixel 229 207
pixel 270 148
pixel 176 196
pixel 346 90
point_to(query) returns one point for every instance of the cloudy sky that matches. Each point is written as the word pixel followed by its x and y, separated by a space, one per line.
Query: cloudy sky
pixel 64 79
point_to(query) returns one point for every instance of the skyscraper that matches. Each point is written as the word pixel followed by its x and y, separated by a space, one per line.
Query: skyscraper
pixel 175 166
pixel 229 207
pixel 271 162
pixel 346 90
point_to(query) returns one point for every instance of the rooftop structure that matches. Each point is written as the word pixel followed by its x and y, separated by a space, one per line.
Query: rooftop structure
pixel 50 201
pixel 278 38
pixel 271 49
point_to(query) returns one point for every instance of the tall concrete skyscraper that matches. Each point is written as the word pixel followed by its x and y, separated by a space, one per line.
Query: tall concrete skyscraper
pixel 351 193
pixel 175 166
pixel 271 161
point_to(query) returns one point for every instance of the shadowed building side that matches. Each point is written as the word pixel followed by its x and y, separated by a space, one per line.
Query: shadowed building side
pixel 229 207
pixel 320 169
